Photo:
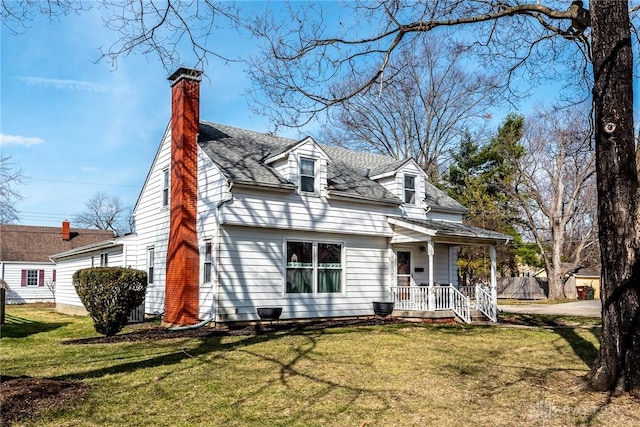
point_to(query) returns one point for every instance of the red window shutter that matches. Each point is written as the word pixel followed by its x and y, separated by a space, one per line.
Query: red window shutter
pixel 41 278
pixel 54 276
pixel 23 283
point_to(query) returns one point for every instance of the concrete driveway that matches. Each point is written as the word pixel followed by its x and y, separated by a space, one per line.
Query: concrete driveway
pixel 589 308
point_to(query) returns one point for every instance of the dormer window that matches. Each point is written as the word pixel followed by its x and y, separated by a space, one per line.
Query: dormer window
pixel 410 189
pixel 307 175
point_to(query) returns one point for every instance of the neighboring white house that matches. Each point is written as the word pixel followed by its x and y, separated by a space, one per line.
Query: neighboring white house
pixel 230 220
pixel 115 252
pixel 24 258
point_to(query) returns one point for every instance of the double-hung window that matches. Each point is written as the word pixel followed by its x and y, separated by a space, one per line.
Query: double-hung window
pixel 150 264
pixel 32 277
pixel 307 175
pixel 410 189
pixel 165 187
pixel 314 267
pixel 208 258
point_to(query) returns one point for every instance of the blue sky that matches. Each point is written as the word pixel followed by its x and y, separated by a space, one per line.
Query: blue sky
pixel 76 127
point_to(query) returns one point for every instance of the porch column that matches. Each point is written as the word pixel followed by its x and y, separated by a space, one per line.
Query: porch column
pixel 453 266
pixel 494 281
pixel 431 303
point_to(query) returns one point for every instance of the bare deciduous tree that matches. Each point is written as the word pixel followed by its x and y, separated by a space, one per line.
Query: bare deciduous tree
pixel 10 176
pixel 305 57
pixel 553 186
pixel 161 28
pixel 422 112
pixel 105 212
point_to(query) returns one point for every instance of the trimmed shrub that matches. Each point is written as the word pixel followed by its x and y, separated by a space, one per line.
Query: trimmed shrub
pixel 109 294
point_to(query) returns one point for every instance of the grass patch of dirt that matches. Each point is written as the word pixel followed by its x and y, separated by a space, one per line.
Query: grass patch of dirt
pixel 24 397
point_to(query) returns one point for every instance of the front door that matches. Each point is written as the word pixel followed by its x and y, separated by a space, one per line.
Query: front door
pixel 403 273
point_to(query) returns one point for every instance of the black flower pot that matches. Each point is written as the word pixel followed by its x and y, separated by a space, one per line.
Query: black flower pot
pixel 382 308
pixel 269 313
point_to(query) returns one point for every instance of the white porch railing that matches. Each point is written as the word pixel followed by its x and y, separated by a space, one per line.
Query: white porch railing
pixel 442 298
pixel 469 292
pixel 486 304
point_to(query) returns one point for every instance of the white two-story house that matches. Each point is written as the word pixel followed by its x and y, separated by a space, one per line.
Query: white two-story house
pixel 229 220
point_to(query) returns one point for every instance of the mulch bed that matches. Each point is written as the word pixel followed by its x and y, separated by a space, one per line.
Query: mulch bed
pixel 24 397
pixel 148 332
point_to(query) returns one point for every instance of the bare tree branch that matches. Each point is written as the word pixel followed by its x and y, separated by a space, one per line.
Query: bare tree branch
pixel 298 66
pixel 105 212
pixel 11 175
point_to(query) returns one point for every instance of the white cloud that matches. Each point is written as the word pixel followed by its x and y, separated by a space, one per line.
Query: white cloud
pixel 63 84
pixel 27 141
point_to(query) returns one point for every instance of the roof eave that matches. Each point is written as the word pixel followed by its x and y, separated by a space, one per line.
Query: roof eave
pixel 276 187
pixel 339 195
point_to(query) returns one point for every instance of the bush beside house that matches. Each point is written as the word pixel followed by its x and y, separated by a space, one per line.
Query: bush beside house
pixel 109 294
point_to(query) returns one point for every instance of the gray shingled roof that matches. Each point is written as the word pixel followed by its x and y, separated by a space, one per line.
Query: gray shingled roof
pixel 240 155
pixel 455 229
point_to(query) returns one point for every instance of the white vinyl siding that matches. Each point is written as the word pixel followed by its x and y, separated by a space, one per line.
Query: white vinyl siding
pixel 152 225
pixel 253 269
pixel 293 211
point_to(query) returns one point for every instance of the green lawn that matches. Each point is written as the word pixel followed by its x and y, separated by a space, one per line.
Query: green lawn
pixel 392 375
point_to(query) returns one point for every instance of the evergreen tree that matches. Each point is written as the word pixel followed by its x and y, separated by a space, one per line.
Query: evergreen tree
pixel 480 177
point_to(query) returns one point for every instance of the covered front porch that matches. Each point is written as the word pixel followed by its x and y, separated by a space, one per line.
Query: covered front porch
pixel 424 274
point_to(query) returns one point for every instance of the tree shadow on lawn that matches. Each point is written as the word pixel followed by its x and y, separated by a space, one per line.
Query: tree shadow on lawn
pixel 20 327
pixel 210 340
pixel 584 349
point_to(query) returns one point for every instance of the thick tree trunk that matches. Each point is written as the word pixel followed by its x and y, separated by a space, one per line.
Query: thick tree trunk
pixel 618 365
pixel 554 271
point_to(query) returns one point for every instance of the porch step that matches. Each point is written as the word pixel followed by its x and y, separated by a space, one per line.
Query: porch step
pixel 478 316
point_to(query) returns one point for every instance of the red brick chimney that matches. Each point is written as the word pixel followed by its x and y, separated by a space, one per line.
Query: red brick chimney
pixel 66 230
pixel 183 257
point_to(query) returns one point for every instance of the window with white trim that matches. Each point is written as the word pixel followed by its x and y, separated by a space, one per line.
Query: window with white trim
pixel 165 187
pixel 314 267
pixel 208 261
pixel 104 259
pixel 307 174
pixel 150 264
pixel 32 277
pixel 410 189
